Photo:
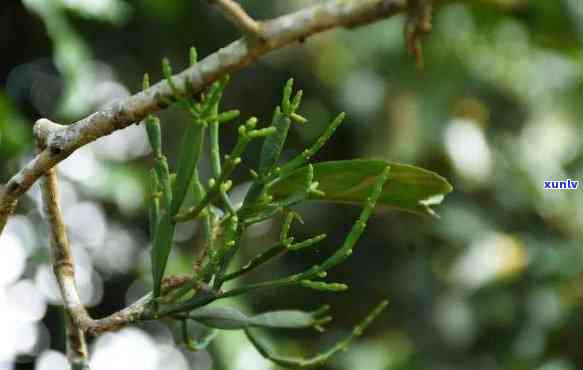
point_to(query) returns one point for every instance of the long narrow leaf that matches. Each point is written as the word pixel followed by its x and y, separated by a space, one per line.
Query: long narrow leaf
pixel 273 144
pixel 231 319
pixel 409 188
pixel 190 153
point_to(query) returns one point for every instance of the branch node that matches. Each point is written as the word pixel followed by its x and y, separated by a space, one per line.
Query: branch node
pixel 44 131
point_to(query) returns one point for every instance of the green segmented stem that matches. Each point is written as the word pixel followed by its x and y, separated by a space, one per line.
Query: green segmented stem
pixel 231 162
pixel 318 359
pixel 339 256
pixel 324 286
pixel 307 154
pixel 272 252
pixel 257 261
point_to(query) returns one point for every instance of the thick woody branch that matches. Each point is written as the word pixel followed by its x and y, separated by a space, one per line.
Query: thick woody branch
pixel 239 17
pixel 275 34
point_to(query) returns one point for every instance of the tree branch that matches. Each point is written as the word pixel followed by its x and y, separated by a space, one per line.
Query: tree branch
pixel 239 17
pixel 61 258
pixel 275 34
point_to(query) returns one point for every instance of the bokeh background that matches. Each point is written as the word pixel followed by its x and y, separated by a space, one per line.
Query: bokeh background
pixel 496 283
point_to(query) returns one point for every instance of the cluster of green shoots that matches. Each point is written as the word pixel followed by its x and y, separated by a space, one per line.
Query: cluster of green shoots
pixel 223 226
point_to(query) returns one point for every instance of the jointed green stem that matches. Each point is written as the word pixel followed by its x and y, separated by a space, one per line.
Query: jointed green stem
pixel 319 359
pixel 231 162
pixel 339 256
pixel 307 154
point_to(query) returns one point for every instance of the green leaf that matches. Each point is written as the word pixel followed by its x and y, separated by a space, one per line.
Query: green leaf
pixel 273 144
pixel 409 188
pixel 154 135
pixel 161 250
pixel 189 155
pixel 231 319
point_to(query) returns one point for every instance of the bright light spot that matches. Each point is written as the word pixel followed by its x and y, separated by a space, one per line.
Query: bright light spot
pixel 18 337
pixel 468 150
pixel 20 227
pixel 555 141
pixel 557 364
pixel 13 258
pixel 128 194
pixel 92 292
pixel 127 349
pixel 117 254
pixel 126 144
pixel 487 259
pixel 370 355
pixel 112 10
pixel 83 265
pixel 25 301
pixel 86 223
pixel 249 358
pixel 363 93
pixel 52 360
pixel 171 359
pixel 454 319
pixel 47 284
pixel 82 166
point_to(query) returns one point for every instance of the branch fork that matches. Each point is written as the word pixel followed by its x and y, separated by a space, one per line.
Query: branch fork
pixel 235 13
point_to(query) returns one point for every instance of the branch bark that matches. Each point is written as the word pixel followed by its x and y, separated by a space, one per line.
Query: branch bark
pixel 61 257
pixel 239 17
pixel 276 33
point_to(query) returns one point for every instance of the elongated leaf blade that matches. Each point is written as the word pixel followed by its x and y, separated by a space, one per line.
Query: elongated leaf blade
pixel 409 188
pixel 161 250
pixel 273 144
pixel 190 153
pixel 226 318
pixel 286 319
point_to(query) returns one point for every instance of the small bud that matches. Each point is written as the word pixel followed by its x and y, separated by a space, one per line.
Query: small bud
pixel 145 81
pixel 192 56
pixel 226 186
pixel 295 104
pixel 298 118
pixel 285 100
pixel 166 68
pixel 228 116
pixel 251 123
pixel 320 285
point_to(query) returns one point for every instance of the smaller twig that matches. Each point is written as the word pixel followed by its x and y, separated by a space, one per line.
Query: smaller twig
pixel 62 259
pixel 417 25
pixel 239 17
pixel 246 134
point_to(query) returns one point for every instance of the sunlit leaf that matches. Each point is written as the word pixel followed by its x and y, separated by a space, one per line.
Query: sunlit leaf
pixel 409 188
